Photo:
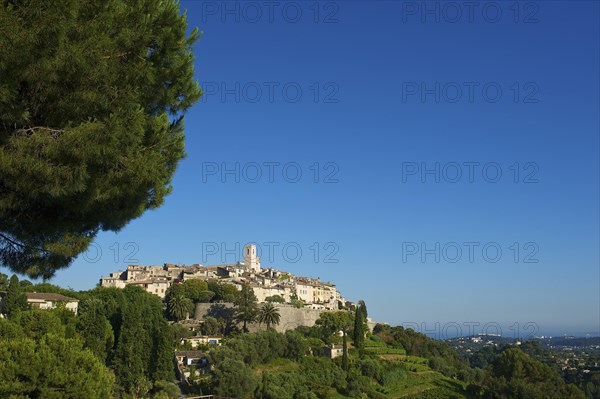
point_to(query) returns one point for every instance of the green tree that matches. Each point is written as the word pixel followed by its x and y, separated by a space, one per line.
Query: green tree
pixel 95 329
pixel 332 322
pixel 246 308
pixel 296 302
pixel 516 375
pixel 193 289
pixel 206 296
pixel 322 372
pixel 264 386
pixel 25 283
pixel 145 346
pixel 166 390
pixel 179 307
pixel 112 300
pixel 211 326
pixel 3 282
pixel 10 330
pixel 268 314
pixel 360 326
pixel 275 299
pixel 223 292
pixel 233 378
pixel 67 318
pixel 50 288
pixel 91 126
pixel 129 363
pixel 297 345
pixel 52 368
pixel 15 299
pixel 162 360
pixel 344 350
pixel 180 332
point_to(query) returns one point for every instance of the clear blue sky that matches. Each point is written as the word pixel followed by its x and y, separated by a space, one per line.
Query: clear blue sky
pixel 370 94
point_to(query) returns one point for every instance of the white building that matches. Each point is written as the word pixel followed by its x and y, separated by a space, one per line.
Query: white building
pixel 265 282
pixel 115 280
pixel 203 340
pixel 262 293
pixel 156 286
pixel 304 291
pixel 44 300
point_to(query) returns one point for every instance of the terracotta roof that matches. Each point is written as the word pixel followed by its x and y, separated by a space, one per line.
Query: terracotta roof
pixel 44 296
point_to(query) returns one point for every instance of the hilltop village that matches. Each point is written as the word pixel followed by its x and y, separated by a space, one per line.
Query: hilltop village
pixel 266 283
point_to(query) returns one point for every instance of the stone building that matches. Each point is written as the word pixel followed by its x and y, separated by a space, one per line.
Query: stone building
pixel 266 282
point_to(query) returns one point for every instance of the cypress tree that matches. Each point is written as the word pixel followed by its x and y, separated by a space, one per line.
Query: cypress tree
pixel 363 307
pixel 246 308
pixel 128 363
pixel 344 351
pixel 15 299
pixel 96 331
pixel 162 368
pixel 360 326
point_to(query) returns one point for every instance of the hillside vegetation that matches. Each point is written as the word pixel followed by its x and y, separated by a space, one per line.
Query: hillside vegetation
pixel 122 345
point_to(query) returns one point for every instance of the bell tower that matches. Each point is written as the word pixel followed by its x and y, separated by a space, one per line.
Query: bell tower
pixel 251 261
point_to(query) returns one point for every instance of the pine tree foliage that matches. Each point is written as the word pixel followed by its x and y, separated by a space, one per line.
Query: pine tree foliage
pixel 52 367
pixel 91 129
pixel 15 299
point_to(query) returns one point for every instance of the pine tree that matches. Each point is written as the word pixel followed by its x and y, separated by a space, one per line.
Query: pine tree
pixel 15 299
pixel 91 128
pixel 52 367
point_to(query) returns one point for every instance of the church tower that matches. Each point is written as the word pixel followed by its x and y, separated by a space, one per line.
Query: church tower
pixel 251 261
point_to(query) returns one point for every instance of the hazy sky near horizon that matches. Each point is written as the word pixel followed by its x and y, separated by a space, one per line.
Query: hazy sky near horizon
pixel 437 159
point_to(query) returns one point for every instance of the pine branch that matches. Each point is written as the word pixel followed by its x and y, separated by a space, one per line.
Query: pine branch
pixel 32 129
pixel 16 244
pixel 120 55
